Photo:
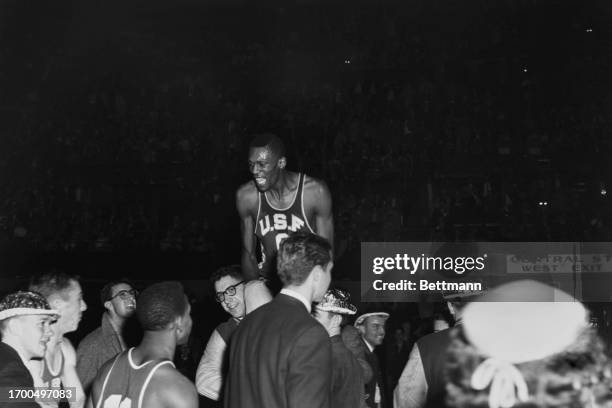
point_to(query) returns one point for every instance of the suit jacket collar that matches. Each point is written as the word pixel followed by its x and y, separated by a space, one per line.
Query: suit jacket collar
pixel 295 295
pixel 290 302
pixel 368 345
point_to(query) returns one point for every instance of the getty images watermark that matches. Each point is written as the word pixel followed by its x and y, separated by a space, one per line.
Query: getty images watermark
pixel 412 271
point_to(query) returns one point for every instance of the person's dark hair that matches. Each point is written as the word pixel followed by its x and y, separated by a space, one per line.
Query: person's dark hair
pixel 298 254
pixel 53 282
pixel 235 271
pixel 107 290
pixel 159 304
pixel 567 379
pixel 269 140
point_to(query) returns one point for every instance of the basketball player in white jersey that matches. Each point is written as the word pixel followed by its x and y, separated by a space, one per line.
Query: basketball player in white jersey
pixel 58 367
pixel 144 376
pixel 276 203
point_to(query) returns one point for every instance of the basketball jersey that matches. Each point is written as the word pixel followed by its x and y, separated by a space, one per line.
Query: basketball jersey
pixel 125 383
pixel 51 379
pixel 272 224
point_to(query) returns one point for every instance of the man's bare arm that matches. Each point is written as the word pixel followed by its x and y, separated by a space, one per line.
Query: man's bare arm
pixel 244 204
pixel 322 203
pixel 172 390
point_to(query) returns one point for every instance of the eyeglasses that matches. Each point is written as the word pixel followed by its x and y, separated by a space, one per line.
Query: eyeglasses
pixel 125 294
pixel 230 291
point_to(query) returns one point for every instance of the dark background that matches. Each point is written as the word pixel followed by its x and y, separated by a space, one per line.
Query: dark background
pixel 124 126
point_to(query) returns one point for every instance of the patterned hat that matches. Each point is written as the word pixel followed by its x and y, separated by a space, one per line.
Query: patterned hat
pixel 25 303
pixel 337 301
pixel 362 318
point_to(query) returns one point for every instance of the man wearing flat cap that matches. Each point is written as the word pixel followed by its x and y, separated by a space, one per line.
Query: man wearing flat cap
pixel 347 380
pixel 371 326
pixel 24 326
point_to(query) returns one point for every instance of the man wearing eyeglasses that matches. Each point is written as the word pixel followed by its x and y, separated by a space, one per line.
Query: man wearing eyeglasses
pixel 229 285
pixel 105 342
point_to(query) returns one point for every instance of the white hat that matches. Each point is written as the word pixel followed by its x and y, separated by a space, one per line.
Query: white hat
pixel 544 322
pixel 515 323
pixel 364 316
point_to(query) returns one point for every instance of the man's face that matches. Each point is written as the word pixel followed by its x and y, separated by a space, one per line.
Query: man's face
pixel 264 167
pixel 234 305
pixel 123 300
pixel 373 330
pixel 186 324
pixel 71 306
pixel 323 283
pixel 34 332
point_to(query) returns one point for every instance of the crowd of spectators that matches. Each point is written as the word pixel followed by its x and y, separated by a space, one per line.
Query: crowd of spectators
pixel 422 132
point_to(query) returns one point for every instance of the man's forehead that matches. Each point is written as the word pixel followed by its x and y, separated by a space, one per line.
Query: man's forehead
pixel 37 318
pixel 225 282
pixel 73 290
pixel 260 153
pixel 375 320
pixel 119 287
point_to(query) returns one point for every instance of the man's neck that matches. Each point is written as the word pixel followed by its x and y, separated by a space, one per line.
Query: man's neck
pixel 304 291
pixel 155 346
pixel 116 321
pixel 334 331
pixel 282 186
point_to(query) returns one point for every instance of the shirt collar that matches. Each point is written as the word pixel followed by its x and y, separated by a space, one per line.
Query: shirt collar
pixel 370 347
pixel 297 296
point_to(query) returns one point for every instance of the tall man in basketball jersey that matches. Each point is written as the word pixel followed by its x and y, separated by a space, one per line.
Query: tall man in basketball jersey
pixel 144 376
pixel 278 202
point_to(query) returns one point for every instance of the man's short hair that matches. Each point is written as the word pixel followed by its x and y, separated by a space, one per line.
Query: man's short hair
pixel 53 282
pixel 269 140
pixel 299 254
pixel 107 291
pixel 235 271
pixel 159 304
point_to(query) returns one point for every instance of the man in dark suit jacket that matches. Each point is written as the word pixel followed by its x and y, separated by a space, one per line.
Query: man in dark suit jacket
pixel 24 327
pixel 280 356
pixel 372 329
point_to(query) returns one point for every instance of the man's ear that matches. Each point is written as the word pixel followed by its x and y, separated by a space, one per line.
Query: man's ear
pixel 179 327
pixel 282 162
pixel 317 273
pixel 108 305
pixel 451 308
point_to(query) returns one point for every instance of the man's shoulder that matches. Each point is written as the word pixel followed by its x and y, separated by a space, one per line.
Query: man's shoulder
pixel 246 197
pixel 316 194
pixel 12 370
pixel 246 191
pixel 171 388
pixel 437 339
pixel 315 185
pixel 281 310
pixel 93 338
